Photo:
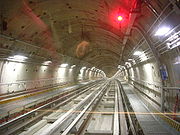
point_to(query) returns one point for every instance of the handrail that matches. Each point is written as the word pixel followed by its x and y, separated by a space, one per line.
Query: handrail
pixel 142 81
pixel 171 88
pixel 9 87
pixel 29 81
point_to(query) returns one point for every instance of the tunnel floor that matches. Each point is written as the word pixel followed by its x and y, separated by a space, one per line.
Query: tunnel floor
pixel 93 108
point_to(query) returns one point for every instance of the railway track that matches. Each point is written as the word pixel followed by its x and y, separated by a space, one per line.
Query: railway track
pixel 96 111
pixel 8 97
pixel 30 115
pixel 98 108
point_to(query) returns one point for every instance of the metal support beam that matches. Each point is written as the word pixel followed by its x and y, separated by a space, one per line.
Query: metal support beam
pixel 175 5
pixel 149 43
pixel 128 30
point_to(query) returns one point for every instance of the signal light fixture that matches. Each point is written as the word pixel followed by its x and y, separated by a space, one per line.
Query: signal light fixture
pixel 120 18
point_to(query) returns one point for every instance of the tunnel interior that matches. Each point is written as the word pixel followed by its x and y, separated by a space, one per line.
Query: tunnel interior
pixel 47 43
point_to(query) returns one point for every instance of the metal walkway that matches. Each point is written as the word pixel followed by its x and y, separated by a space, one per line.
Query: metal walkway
pixel 148 122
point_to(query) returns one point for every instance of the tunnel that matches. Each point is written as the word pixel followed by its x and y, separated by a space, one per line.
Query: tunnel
pixel 89 67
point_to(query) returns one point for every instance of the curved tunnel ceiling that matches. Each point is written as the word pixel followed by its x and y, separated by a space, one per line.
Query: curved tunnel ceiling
pixel 84 29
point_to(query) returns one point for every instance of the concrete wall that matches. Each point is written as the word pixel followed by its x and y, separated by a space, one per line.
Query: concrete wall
pixel 146 77
pixel 17 76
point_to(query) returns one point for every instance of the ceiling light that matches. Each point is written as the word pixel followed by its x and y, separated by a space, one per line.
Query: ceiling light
pixel 162 31
pixel 130 59
pixel 137 53
pixel 47 62
pixel 73 66
pixel 64 65
pixel 143 57
pixel 83 68
pixel 174 45
pixel 173 41
pixel 18 57
pixel 127 63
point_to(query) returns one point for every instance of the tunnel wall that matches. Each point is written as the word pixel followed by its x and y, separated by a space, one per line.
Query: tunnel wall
pixel 146 77
pixel 17 76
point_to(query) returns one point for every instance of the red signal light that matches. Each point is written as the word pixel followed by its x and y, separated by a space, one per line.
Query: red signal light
pixel 120 18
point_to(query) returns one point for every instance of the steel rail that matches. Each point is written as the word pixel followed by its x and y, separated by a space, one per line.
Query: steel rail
pixel 131 125
pixel 81 115
pixel 68 89
pixel 61 104
pixel 122 117
pixel 116 116
pixel 55 126
pixel 30 113
pixel 83 112
pixel 41 107
pixel 87 119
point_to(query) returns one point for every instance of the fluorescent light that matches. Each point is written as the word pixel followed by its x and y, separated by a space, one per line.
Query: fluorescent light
pixel 73 66
pixel 64 65
pixel 137 53
pixel 174 41
pixel 162 31
pixel 130 59
pixel 18 57
pixel 47 62
pixel 171 46
pixel 128 64
pixel 83 68
pixel 143 57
